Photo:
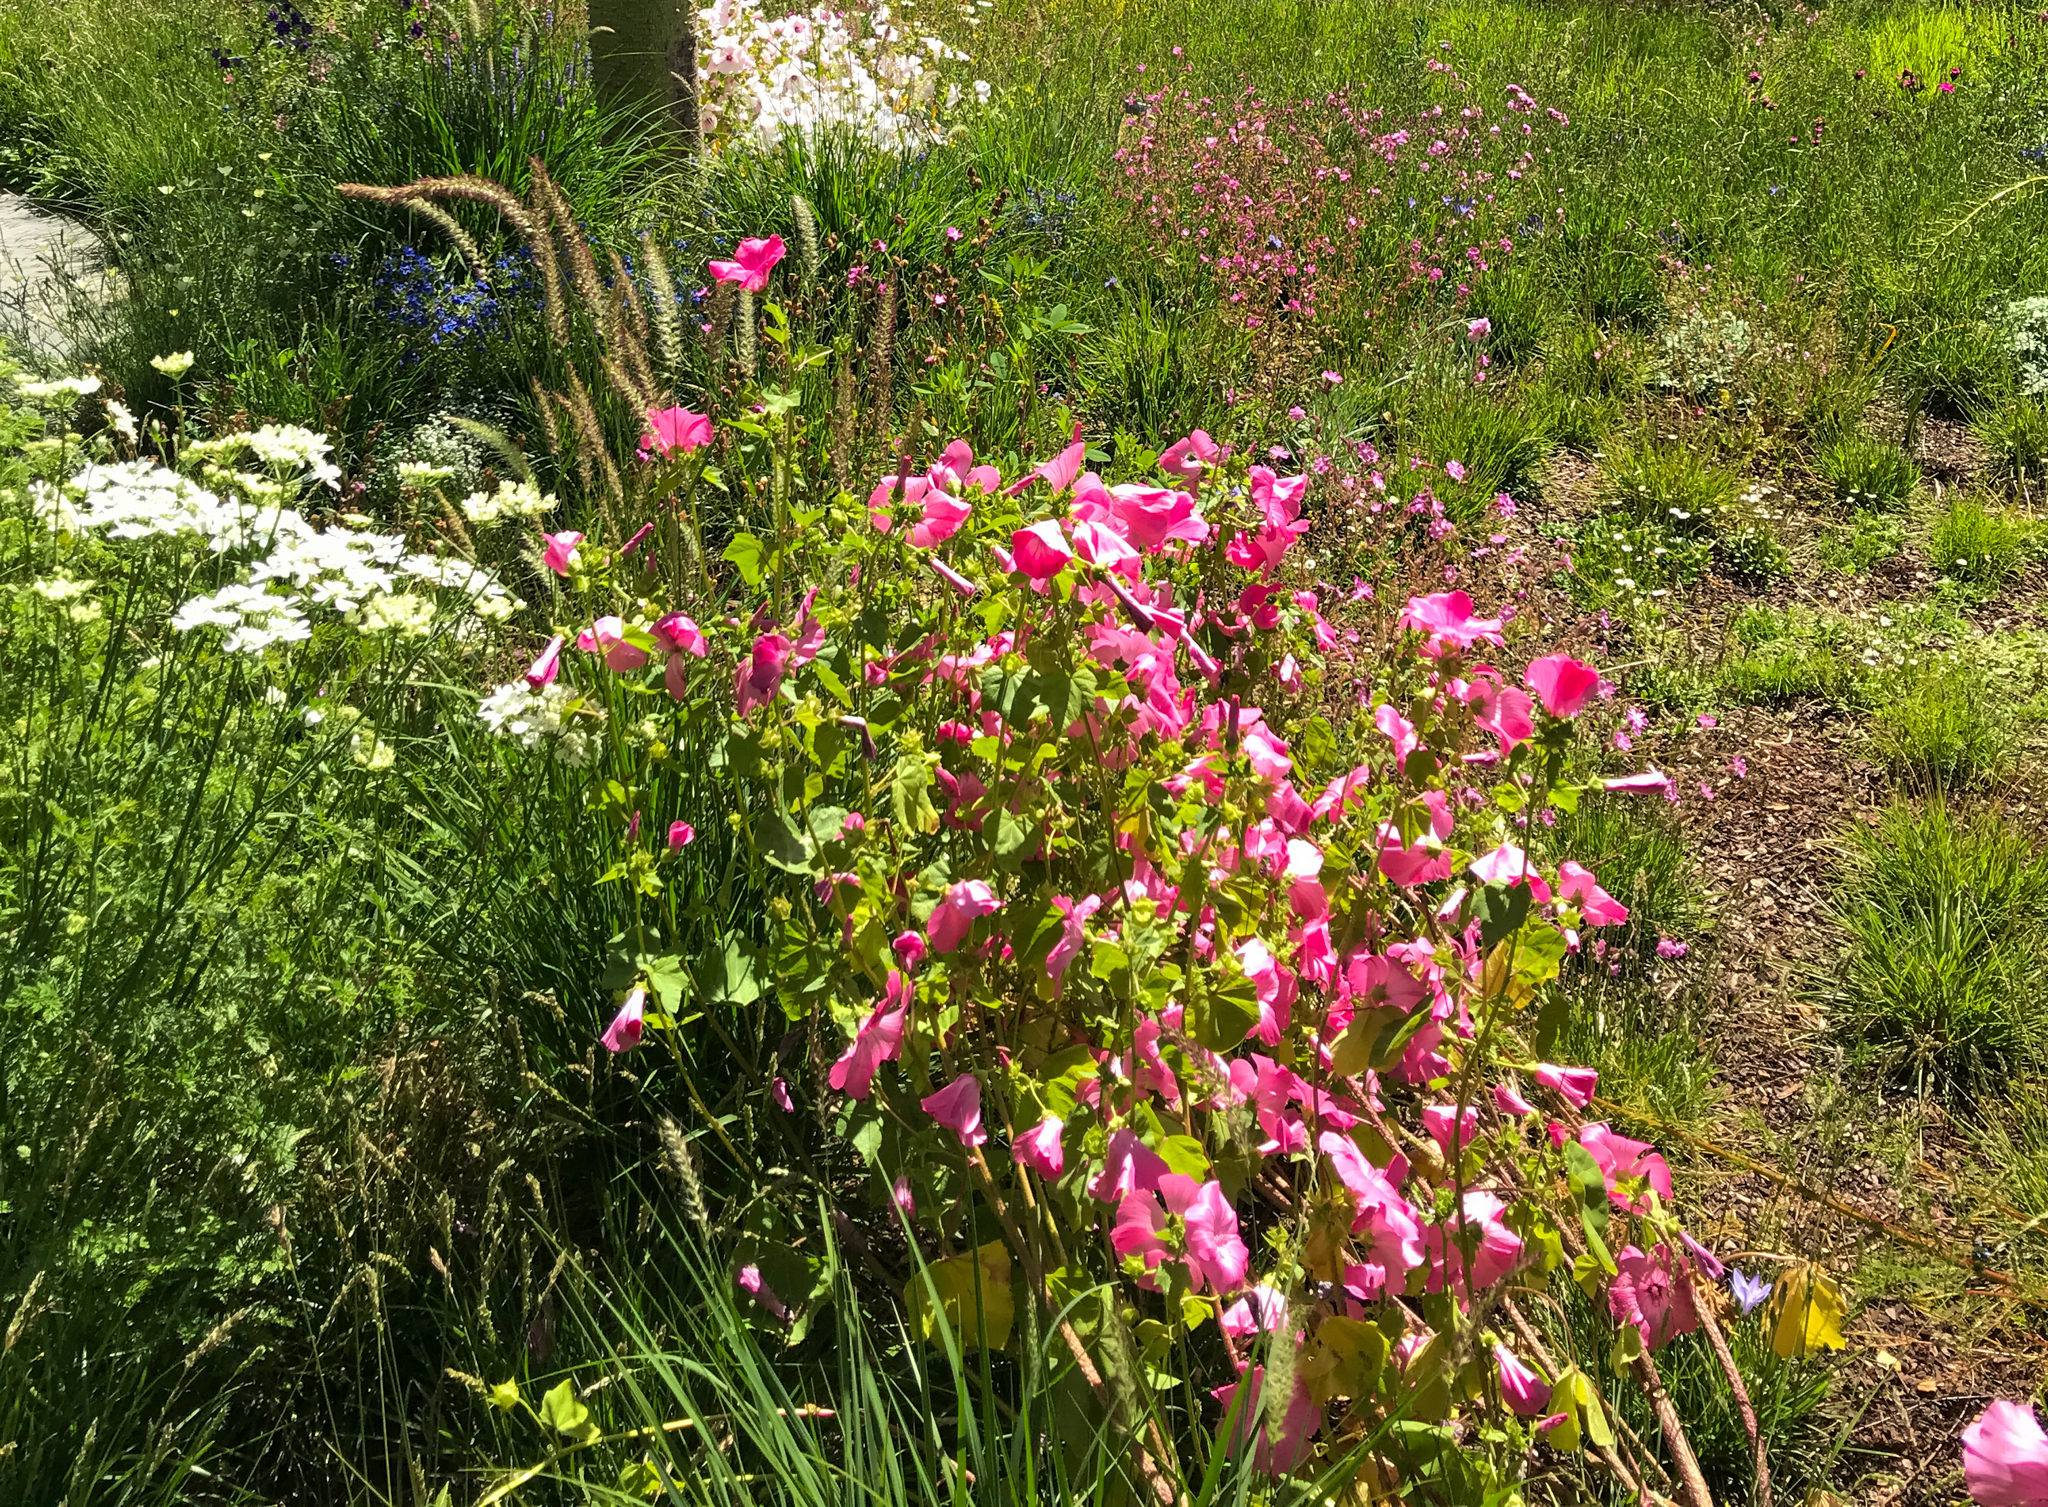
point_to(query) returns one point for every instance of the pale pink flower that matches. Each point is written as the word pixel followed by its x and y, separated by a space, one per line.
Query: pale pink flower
pixel 2005 1457
pixel 957 1106
pixel 1382 1215
pixel 1214 1254
pixel 879 1039
pixel 751 263
pixel 1648 780
pixel 1455 470
pixel 1478 329
pixel 1654 1293
pixel 1455 1260
pixel 560 553
pixel 759 675
pixel 1039 1148
pixel 902 1197
pixel 1576 1084
pixel 963 904
pixel 673 429
pixel 1074 915
pixel 623 1034
pixel 1564 685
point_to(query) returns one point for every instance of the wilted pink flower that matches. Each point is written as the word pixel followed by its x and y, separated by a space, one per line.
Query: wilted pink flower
pixel 623 1034
pixel 1576 1084
pixel 1564 685
pixel 560 553
pixel 1509 1101
pixel 2005 1457
pixel 1575 882
pixel 1526 1393
pixel 750 264
pixel 1042 550
pixel 957 1106
pixel 543 670
pixel 760 674
pixel 1654 1293
pixel 673 429
pixel 1212 1251
pixel 879 1039
pixel 1278 1451
pixel 1039 1148
pixel 963 904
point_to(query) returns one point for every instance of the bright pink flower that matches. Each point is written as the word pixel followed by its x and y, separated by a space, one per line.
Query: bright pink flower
pixel 1508 864
pixel 759 675
pixel 680 835
pixel 1577 1084
pixel 681 635
pixel 1042 550
pixel 1619 1158
pixel 1654 1293
pixel 1455 1260
pixel 1189 457
pixel 1074 915
pixel 1649 779
pixel 957 1106
pixel 909 948
pixel 560 553
pixel 1278 498
pixel 1399 730
pixel 1262 1310
pixel 779 1091
pixel 1503 711
pixel 1393 1234
pixel 1103 547
pixel 879 1039
pixel 1478 329
pixel 1436 1119
pixel 1575 882
pixel 673 429
pixel 754 1285
pixel 1277 1453
pixel 750 264
pixel 1509 1101
pixel 1564 685
pixel 1213 1253
pixel 902 1197
pixel 1039 1148
pixel 1152 517
pixel 2005 1457
pixel 963 904
pixel 543 670
pixel 1273 985
pixel 1446 618
pixel 1525 1393
pixel 623 1034
pixel 1128 1166
pixel 606 636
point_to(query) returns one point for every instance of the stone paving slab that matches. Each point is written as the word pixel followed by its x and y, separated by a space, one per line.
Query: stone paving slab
pixel 45 260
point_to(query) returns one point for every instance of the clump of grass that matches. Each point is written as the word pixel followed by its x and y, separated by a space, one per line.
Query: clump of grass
pixel 1947 947
pixel 1867 540
pixel 1497 446
pixel 1643 861
pixel 1977 545
pixel 1668 484
pixel 1587 361
pixel 1939 725
pixel 1753 554
pixel 1868 473
pixel 1617 561
pixel 1777 658
pixel 1573 421
pixel 2015 431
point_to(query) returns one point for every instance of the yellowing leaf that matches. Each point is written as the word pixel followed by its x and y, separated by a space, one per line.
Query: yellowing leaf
pixel 562 1411
pixel 1806 1313
pixel 1574 1394
pixel 1343 1360
pixel 505 1395
pixel 956 1279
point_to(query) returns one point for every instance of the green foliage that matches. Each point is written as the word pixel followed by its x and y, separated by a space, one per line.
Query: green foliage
pixel 1941 723
pixel 1645 862
pixel 1867 473
pixel 1752 554
pixel 1778 657
pixel 1630 564
pixel 1866 541
pixel 2015 432
pixel 1668 485
pixel 1496 444
pixel 1976 544
pixel 1947 946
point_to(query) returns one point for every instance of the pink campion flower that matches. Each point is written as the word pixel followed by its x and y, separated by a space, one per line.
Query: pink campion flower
pixel 606 636
pixel 1654 1293
pixel 1575 882
pixel 1209 1243
pixel 542 672
pixel 1525 1393
pixel 759 675
pixel 751 263
pixel 1128 1166
pixel 1437 1118
pixel 1039 1148
pixel 1564 685
pixel 1478 329
pixel 560 553
pixel 1455 470
pixel 623 1034
pixel 879 1039
pixel 673 429
pixel 1042 550
pixel 1278 1451
pixel 1509 1101
pixel 1621 1158
pixel 681 635
pixel 957 1106
pixel 1074 916
pixel 1446 618
pixel 1188 458
pixel 1262 1310
pixel 2005 1457
pixel 1576 1084
pixel 680 835
pixel 754 1285
pixel 1399 730
pixel 962 905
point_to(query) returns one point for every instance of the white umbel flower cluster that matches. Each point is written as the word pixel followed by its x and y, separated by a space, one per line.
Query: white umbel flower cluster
pixel 554 717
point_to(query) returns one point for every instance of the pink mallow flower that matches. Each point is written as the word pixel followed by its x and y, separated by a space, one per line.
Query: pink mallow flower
pixel 1576 1084
pixel 1654 1293
pixel 750 264
pixel 1073 937
pixel 1621 1158
pixel 1509 1101
pixel 2005 1457
pixel 1564 685
pixel 560 553
pixel 759 675
pixel 1196 1227
pixel 1446 618
pixel 754 1285
pixel 957 1106
pixel 680 835
pixel 673 429
pixel 542 672
pixel 879 1040
pixel 607 636
pixel 1526 1393
pixel 1039 1148
pixel 623 1034
pixel 963 904
pixel 1042 550
pixel 681 635
pixel 1262 1310
pixel 1575 882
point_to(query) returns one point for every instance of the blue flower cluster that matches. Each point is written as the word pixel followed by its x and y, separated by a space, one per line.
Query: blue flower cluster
pixel 411 293
pixel 2036 154
pixel 290 28
pixel 1048 212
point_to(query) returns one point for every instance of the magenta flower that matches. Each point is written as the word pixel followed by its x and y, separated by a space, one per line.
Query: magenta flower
pixel 1564 685
pixel 680 835
pixel 750 264
pixel 759 675
pixel 1196 1227
pixel 1456 1259
pixel 963 904
pixel 1509 1101
pixel 1648 780
pixel 909 949
pixel 560 553
pixel 541 673
pixel 1526 1393
pixel 1654 1293
pixel 1188 458
pixel 754 1285
pixel 1575 882
pixel 879 1040
pixel 673 429
pixel 1437 1118
pixel 1393 1235
pixel 1039 1148
pixel 607 636
pixel 1262 1310
pixel 623 1034
pixel 1042 550
pixel 2005 1457
pixel 1446 618
pixel 1152 517
pixel 1576 1084
pixel 1399 731
pixel 1128 1166
pixel 1478 329
pixel 1621 1158
pixel 957 1106
pixel 1455 470
pixel 681 635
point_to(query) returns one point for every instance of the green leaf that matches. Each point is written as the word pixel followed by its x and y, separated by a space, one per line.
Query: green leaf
pixel 1222 1015
pixel 910 794
pixel 561 1411
pixel 1184 1154
pixel 779 841
pixel 726 974
pixel 1501 909
pixel 974 1298
pixel 746 552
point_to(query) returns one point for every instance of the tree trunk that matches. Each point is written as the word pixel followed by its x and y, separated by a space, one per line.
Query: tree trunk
pixel 645 53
